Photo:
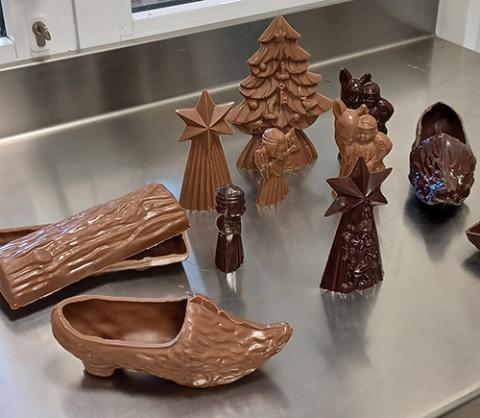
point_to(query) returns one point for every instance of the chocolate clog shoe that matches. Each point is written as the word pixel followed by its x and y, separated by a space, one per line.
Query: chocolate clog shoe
pixel 442 163
pixel 189 341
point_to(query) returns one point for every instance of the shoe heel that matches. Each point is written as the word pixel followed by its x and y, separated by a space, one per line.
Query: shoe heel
pixel 99 370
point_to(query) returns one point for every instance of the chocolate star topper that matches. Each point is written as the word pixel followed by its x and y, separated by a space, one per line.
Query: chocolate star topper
pixel 206 120
pixel 360 186
pixel 354 262
pixel 206 168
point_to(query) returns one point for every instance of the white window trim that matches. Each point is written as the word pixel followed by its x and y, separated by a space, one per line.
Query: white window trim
pixel 118 23
pixel 20 42
pixel 7 50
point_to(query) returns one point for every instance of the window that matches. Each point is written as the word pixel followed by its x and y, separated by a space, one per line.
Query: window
pixel 142 5
pixel 19 41
pixel 3 30
pixel 82 24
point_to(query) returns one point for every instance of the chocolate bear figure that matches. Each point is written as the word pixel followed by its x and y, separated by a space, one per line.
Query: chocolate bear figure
pixel 358 91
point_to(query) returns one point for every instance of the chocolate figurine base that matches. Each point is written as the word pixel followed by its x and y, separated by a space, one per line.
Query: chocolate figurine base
pixel 302 158
pixel 442 163
pixel 81 245
pixel 189 341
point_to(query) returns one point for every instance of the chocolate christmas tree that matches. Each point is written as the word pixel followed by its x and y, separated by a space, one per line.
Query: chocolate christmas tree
pixel 206 168
pixel 354 262
pixel 280 93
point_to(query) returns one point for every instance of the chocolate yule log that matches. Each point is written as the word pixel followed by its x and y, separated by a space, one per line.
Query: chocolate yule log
pixel 65 252
pixel 173 250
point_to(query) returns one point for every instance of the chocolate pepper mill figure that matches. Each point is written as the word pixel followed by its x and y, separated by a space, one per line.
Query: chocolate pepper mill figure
pixel 354 262
pixel 270 160
pixel 206 168
pixel 280 93
pixel 230 201
pixel 358 91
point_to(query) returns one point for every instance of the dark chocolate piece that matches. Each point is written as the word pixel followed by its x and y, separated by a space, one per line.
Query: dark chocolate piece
pixel 231 206
pixel 442 163
pixel 358 91
pixel 354 262
pixel 86 243
pixel 270 160
pixel 206 168
pixel 189 341
pixel 280 93
pixel 356 135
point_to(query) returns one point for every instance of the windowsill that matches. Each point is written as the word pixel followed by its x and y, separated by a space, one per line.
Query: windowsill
pixel 7 50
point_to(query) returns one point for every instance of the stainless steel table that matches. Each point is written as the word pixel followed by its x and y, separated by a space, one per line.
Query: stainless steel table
pixel 408 348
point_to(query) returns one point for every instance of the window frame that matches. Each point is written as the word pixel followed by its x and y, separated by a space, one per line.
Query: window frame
pixel 19 43
pixel 119 24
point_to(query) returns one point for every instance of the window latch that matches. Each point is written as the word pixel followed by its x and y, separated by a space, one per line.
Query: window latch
pixel 41 32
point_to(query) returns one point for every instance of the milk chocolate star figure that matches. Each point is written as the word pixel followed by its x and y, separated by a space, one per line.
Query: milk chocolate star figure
pixel 206 168
pixel 354 262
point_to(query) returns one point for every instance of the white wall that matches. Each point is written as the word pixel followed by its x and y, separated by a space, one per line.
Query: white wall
pixel 459 22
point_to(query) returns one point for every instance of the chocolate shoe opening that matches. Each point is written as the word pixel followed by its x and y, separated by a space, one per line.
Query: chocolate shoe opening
pixel 134 322
pixel 441 118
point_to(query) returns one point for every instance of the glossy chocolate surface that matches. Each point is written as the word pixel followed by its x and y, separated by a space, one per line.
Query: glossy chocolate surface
pixel 173 250
pixel 189 341
pixel 356 135
pixel 270 160
pixel 280 92
pixel 442 163
pixel 363 91
pixel 229 254
pixel 206 168
pixel 86 243
pixel 354 262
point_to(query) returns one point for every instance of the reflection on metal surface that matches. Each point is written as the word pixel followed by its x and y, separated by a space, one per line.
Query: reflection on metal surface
pixel 94 84
pixel 436 225
pixel 345 327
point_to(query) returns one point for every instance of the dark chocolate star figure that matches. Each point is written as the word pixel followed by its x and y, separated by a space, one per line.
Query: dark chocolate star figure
pixel 354 262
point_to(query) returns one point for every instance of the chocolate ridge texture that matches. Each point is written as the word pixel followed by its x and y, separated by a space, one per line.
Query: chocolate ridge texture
pixel 170 251
pixel 442 163
pixel 280 92
pixel 187 340
pixel 83 244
